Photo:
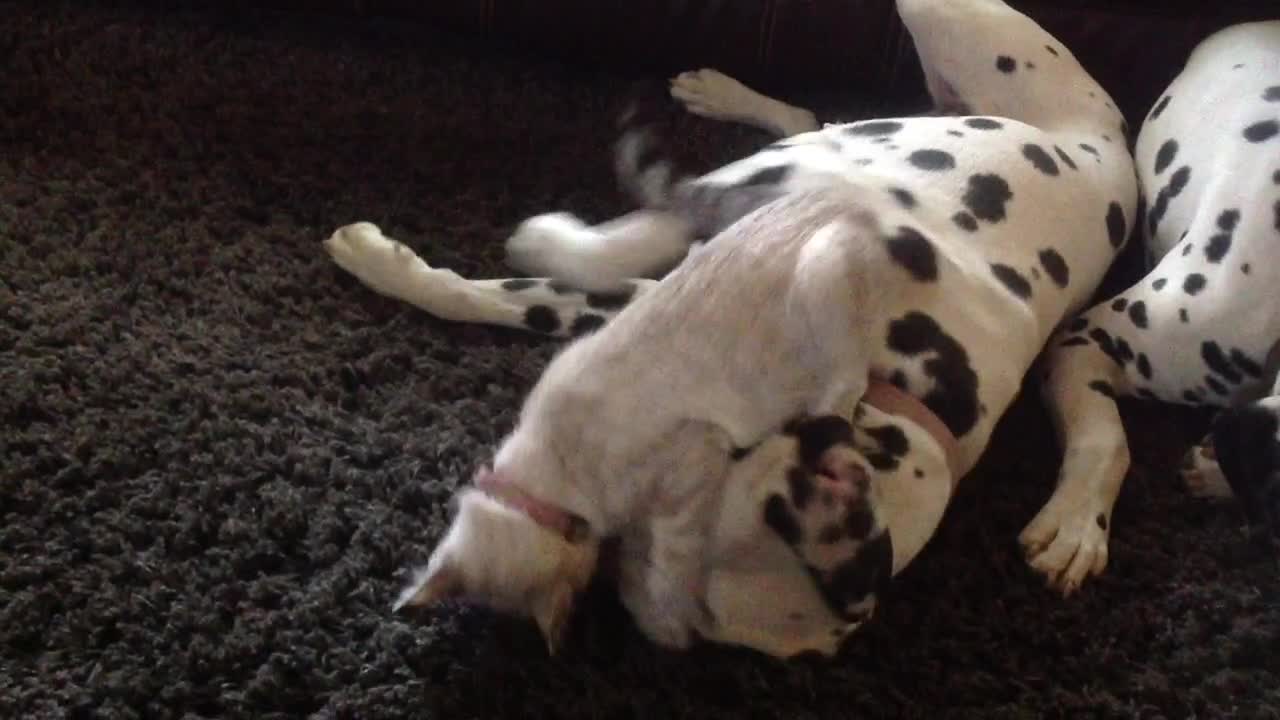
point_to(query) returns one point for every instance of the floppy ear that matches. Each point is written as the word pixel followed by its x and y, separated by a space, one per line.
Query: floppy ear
pixel 431 585
pixel 552 615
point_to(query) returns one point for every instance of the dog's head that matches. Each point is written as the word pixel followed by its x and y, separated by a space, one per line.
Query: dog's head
pixel 807 540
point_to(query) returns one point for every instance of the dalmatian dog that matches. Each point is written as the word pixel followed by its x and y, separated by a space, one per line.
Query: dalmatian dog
pixel 998 223
pixel 1201 327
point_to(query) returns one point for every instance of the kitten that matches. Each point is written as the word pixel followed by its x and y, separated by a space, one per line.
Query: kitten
pixel 630 430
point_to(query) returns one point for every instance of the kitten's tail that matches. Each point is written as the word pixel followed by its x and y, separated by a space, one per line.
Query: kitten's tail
pixel 648 174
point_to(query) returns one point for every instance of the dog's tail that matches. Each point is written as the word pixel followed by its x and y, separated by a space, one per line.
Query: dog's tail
pixel 649 175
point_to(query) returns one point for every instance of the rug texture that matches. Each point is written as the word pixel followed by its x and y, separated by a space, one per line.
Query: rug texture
pixel 220 453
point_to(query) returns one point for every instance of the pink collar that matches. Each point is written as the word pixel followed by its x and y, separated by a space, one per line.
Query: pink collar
pixel 499 486
pixel 893 400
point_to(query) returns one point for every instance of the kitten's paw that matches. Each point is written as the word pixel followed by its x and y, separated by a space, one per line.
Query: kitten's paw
pixel 383 264
pixel 669 615
pixel 548 245
pixel 1201 474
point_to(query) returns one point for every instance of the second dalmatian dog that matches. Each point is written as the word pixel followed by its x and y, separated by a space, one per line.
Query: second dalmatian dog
pixel 1202 327
pixel 985 231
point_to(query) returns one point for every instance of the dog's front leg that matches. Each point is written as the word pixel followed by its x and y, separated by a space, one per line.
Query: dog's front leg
pixel 1067 540
pixel 712 94
pixel 542 306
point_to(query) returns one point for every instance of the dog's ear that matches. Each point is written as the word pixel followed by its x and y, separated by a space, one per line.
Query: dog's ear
pixel 552 615
pixel 435 583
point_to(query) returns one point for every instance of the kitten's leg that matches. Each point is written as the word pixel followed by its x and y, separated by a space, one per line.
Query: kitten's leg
pixel 546 307
pixel 667 595
pixel 639 244
pixel 713 94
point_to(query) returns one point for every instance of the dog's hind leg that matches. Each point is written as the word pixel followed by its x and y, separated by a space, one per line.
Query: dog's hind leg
pixel 546 307
pixel 712 94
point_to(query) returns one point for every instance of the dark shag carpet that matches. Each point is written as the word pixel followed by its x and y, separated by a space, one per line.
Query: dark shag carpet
pixel 220 453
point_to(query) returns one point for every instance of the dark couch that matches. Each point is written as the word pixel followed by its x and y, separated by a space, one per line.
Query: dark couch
pixel 1134 47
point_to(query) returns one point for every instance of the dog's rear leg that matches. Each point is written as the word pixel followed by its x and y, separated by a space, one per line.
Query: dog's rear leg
pixel 1067 540
pixel 710 93
pixel 545 307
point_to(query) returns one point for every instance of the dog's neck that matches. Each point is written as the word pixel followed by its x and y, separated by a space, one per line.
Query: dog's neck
pixel 891 399
pixel 500 486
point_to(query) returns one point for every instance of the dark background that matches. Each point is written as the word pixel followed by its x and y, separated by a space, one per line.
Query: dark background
pixel 220 453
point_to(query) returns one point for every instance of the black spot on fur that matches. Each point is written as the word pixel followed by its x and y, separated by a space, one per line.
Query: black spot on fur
pixel 1138 314
pixel 987 196
pixel 904 197
pixel 1119 304
pixel 1040 159
pixel 1194 283
pixel 1078 324
pixel 1074 341
pixel 1159 284
pixel 561 287
pixel 1091 150
pixel 1245 267
pixel 1165 155
pixel 518 284
pixel 1051 50
pixel 801 486
pixel 585 324
pixel 541 318
pixel 815 435
pixel 1006 64
pixel 1182 315
pixel 955 133
pixel 1119 352
pixel 914 253
pixel 965 221
pixel 1055 266
pixel 778 516
pixel 1262 131
pixel 1117 233
pixel 1103 388
pixel 611 300
pixel 1218 363
pixel 1217 247
pixel 863 576
pixel 1101 520
pixel 874 127
pixel 1246 363
pixel 1065 158
pixel 1177 183
pixel 739 453
pixel 982 123
pixel 1160 106
pixel 1030 65
pixel 891 439
pixel 1271 94
pixel 1277 212
pixel 1144 365
pixel 1216 386
pixel 1012 279
pixel 954 396
pixel 767 176
pixel 898 379
pixel 933 160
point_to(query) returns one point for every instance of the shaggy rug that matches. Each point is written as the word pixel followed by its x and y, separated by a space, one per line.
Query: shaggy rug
pixel 220 453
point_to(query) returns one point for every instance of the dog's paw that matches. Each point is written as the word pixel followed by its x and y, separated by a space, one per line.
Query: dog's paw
pixel 712 94
pixel 1202 475
pixel 383 264
pixel 549 245
pixel 1066 545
